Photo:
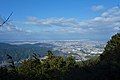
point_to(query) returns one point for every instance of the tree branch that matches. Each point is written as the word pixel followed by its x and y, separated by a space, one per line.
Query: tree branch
pixel 6 19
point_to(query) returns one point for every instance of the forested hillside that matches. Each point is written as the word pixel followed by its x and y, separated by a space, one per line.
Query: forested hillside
pixel 23 51
pixel 104 67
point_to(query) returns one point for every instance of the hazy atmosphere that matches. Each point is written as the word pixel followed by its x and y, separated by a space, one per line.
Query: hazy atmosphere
pixel 59 39
pixel 59 19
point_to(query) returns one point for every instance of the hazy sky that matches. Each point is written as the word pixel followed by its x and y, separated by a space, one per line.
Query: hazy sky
pixel 59 19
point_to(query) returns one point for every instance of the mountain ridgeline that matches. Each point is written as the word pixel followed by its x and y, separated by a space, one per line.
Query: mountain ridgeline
pixel 24 51
pixel 104 67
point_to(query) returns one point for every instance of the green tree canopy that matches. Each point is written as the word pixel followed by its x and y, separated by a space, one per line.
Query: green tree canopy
pixel 112 50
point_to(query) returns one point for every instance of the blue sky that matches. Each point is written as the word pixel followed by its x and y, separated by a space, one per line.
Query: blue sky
pixel 59 19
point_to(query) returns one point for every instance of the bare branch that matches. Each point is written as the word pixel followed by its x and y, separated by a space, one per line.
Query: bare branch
pixel 6 19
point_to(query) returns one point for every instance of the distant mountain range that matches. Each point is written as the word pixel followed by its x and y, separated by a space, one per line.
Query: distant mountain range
pixel 21 50
pixel 24 51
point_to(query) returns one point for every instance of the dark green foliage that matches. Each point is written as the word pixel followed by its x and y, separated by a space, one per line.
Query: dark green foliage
pixel 10 62
pixel 104 67
pixel 5 74
pixel 112 50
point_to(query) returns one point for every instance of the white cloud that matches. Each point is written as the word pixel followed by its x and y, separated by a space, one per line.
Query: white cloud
pixel 108 20
pixel 10 27
pixel 117 28
pixel 97 7
pixel 51 21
